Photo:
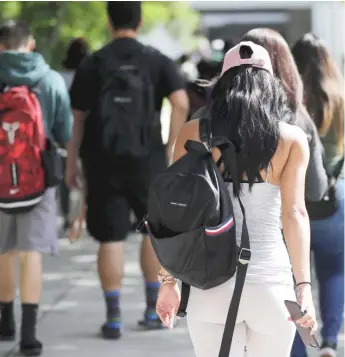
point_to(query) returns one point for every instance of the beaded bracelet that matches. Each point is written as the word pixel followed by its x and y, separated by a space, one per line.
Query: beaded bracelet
pixel 166 279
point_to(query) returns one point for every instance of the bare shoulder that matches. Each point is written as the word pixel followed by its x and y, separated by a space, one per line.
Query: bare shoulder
pixel 295 140
pixel 189 131
pixel 293 134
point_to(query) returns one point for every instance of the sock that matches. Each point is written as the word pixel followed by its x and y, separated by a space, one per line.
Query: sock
pixel 29 320
pixel 112 299
pixel 6 316
pixel 152 289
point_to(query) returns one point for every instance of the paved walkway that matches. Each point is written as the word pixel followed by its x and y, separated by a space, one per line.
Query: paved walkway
pixel 72 310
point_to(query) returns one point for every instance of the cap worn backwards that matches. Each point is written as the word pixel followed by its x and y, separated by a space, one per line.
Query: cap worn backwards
pixel 259 58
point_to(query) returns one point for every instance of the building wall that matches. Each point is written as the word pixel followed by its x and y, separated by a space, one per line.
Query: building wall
pixel 233 25
pixel 324 18
pixel 328 22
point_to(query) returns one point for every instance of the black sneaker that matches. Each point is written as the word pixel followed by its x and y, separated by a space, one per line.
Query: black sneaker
pixel 31 348
pixel 7 333
pixel 7 336
pixel 110 333
pixel 328 350
pixel 150 323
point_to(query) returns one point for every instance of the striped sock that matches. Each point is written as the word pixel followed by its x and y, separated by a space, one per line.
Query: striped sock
pixel 112 299
pixel 152 289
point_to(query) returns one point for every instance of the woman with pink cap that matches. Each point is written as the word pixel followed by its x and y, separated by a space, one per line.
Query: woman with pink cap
pixel 248 106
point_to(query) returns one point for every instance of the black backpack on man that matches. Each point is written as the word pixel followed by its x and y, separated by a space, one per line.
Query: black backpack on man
pixel 125 110
pixel 192 225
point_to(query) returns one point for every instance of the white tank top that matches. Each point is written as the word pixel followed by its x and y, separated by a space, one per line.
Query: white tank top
pixel 270 262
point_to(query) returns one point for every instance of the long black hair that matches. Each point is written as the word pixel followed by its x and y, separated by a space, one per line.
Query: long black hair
pixel 246 105
pixel 77 50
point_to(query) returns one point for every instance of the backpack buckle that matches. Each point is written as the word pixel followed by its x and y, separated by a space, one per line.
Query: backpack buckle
pixel 244 256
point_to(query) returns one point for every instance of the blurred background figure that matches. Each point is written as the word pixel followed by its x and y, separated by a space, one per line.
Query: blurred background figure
pixel 117 96
pixel 29 234
pixel 202 66
pixel 324 99
pixel 198 94
pixel 77 50
pixel 285 69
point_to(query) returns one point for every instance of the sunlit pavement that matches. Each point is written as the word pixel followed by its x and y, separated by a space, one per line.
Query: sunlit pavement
pixel 72 310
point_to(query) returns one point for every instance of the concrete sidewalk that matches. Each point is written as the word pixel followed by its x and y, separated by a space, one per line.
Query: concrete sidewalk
pixel 72 310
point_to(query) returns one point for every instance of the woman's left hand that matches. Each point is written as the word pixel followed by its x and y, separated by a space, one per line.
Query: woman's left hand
pixel 305 299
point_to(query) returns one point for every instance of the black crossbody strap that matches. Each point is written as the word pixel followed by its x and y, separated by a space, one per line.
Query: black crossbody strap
pixel 185 291
pixel 242 267
pixel 229 159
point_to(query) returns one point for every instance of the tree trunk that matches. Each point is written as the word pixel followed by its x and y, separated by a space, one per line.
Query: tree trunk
pixel 52 40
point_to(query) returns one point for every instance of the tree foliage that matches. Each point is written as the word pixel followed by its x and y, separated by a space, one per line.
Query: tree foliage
pixel 55 23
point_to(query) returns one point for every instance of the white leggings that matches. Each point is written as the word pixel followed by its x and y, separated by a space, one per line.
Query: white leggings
pixel 262 322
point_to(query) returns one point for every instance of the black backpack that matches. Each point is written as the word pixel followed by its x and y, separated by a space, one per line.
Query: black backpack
pixel 126 107
pixel 191 223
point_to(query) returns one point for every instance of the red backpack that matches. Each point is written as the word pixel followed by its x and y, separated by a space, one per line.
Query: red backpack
pixel 22 139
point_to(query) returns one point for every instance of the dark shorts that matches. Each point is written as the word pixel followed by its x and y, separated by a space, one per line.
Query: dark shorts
pixel 110 199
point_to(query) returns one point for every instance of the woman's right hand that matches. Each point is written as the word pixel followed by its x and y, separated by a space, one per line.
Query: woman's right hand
pixel 168 302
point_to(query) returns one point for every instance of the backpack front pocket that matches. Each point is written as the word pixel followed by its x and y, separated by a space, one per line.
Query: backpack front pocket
pixel 183 255
pixel 221 250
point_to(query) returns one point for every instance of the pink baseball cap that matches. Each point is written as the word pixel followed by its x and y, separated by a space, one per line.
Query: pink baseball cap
pixel 260 57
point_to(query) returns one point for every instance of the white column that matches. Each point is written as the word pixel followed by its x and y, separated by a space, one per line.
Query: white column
pixel 328 22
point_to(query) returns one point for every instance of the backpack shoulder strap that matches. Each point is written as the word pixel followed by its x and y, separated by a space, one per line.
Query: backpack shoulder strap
pixel 205 132
pixel 230 162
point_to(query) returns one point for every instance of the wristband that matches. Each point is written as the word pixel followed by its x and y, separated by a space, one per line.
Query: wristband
pixel 302 283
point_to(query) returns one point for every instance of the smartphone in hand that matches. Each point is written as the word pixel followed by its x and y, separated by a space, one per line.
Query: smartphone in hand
pixel 296 313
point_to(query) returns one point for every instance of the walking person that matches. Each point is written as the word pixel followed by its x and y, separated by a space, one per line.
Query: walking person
pixel 248 107
pixel 77 50
pixel 284 67
pixel 324 99
pixel 43 111
pixel 117 96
